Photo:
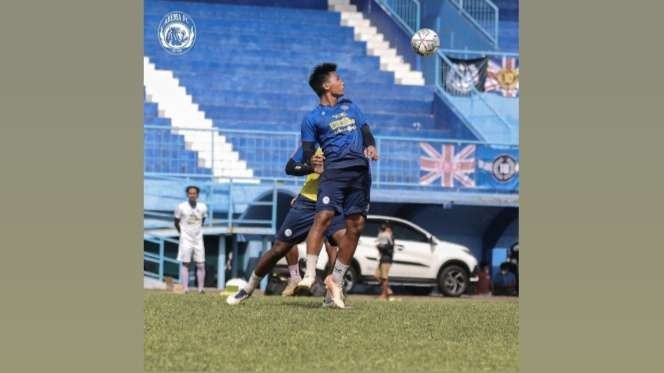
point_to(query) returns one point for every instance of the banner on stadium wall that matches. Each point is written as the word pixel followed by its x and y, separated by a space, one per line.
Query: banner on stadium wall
pixel 470 73
pixel 503 77
pixel 469 166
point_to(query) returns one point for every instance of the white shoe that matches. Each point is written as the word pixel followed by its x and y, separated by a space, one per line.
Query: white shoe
pixel 238 297
pixel 289 291
pixel 335 291
pixel 306 283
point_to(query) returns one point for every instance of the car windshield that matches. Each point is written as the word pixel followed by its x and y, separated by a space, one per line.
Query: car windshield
pixel 406 232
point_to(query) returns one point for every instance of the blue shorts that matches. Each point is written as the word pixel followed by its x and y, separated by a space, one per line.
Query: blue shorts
pixel 299 220
pixel 345 191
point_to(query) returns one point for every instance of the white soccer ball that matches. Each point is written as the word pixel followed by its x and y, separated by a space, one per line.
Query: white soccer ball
pixel 425 42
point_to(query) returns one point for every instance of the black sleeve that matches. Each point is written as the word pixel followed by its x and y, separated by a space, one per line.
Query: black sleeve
pixel 308 151
pixel 295 168
pixel 368 136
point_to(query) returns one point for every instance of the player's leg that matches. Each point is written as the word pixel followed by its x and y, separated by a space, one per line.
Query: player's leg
pixel 331 251
pixel 329 203
pixel 338 230
pixel 292 258
pixel 265 264
pixel 322 221
pixel 200 276
pixel 355 206
pixel 184 257
pixel 293 230
pixel 184 276
pixel 199 258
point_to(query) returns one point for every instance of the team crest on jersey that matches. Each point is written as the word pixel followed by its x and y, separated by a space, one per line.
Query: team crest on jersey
pixel 504 168
pixel 288 232
pixel 345 107
pixel 326 200
pixel 177 33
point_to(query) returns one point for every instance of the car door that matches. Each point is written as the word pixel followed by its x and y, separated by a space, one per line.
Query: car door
pixel 412 252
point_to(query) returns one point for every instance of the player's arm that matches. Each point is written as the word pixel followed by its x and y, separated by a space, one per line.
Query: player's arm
pixel 369 143
pixel 308 135
pixel 178 215
pixel 296 168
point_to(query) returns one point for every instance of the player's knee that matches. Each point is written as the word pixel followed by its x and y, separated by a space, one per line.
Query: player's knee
pixel 200 265
pixel 355 226
pixel 324 218
pixel 280 248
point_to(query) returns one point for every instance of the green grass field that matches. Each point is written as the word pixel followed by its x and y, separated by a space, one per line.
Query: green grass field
pixel 273 334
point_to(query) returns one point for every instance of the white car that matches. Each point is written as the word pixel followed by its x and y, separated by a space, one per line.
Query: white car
pixel 420 259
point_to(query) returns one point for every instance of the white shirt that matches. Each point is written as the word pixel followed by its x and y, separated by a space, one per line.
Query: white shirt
pixel 191 223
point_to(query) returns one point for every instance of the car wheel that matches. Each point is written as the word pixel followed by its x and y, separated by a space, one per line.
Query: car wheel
pixel 453 280
pixel 350 279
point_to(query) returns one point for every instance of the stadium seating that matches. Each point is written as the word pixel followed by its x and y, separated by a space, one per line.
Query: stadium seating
pixel 163 151
pixel 253 75
pixel 249 74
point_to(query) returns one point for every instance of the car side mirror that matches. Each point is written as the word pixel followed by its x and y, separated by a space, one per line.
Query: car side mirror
pixel 431 240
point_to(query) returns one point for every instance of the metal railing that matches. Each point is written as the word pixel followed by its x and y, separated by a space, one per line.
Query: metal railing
pixel 483 14
pixel 399 167
pixel 406 12
pixel 225 200
pixel 159 258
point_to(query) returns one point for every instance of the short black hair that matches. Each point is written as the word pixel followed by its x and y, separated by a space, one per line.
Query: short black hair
pixel 320 75
pixel 198 190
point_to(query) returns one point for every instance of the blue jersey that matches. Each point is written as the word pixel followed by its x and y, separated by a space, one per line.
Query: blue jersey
pixel 338 130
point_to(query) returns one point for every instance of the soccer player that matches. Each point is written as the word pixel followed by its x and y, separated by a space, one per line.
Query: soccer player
pixel 294 228
pixel 340 128
pixel 189 219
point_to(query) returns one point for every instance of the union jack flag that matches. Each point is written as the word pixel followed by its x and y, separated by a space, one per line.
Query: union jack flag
pixel 448 166
pixel 503 77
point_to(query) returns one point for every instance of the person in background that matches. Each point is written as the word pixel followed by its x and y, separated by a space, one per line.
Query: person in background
pixel 484 281
pixel 385 246
pixel 189 219
pixel 504 283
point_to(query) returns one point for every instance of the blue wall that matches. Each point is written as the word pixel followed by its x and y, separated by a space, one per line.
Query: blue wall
pixel 445 117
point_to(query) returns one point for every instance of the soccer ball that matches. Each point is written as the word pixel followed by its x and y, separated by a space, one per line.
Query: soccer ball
pixel 425 42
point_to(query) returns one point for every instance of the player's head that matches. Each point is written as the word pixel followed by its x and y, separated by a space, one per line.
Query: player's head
pixel 325 79
pixel 192 192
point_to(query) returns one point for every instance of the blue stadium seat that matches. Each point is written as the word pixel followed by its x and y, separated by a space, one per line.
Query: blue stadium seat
pixel 163 151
